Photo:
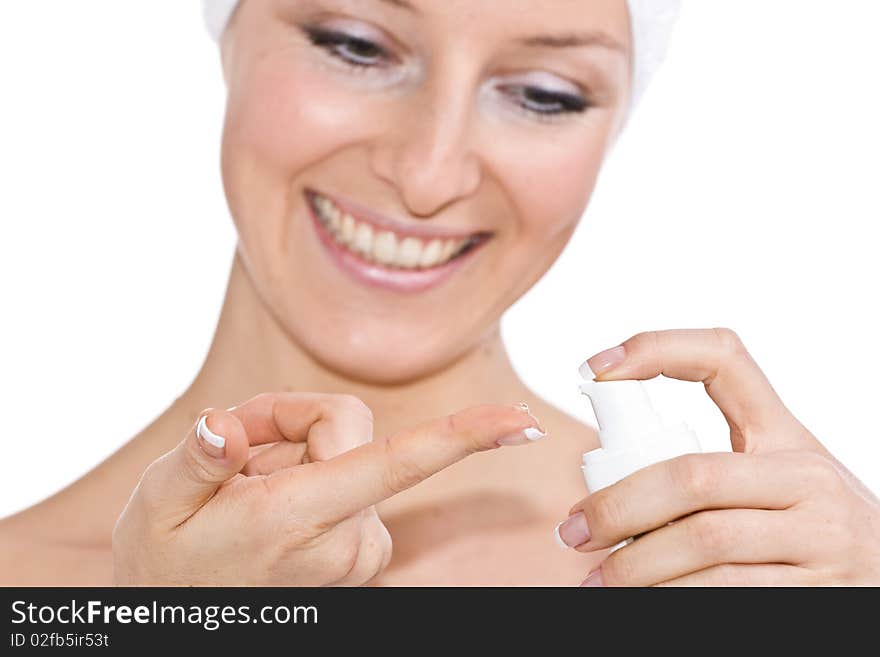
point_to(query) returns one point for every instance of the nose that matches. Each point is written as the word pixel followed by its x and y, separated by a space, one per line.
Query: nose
pixel 426 153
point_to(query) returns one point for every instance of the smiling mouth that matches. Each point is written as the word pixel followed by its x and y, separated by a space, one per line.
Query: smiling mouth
pixel 389 246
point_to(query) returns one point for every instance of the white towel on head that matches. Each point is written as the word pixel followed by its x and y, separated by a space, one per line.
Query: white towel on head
pixel 217 13
pixel 651 22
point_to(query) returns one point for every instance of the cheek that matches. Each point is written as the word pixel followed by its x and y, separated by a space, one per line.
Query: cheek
pixel 550 181
pixel 283 117
pixel 281 121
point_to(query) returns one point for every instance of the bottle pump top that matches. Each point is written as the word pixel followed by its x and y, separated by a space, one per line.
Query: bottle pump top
pixel 632 434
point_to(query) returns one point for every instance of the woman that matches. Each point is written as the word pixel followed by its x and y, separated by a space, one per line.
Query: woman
pixel 399 173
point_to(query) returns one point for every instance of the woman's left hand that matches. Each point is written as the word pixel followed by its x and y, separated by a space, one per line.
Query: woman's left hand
pixel 779 511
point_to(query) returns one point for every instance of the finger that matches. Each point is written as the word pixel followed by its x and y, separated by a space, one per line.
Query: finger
pixel 373 472
pixel 374 551
pixel 706 539
pixel 331 423
pixel 179 483
pixel 666 491
pixel 280 455
pixel 734 574
pixel 718 359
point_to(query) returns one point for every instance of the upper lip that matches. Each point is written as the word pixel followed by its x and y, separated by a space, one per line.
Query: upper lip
pixel 421 230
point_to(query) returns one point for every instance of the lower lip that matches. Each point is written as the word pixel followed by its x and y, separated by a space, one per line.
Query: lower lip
pixel 373 275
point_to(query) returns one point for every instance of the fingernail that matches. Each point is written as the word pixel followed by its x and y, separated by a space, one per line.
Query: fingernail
pixel 525 407
pixel 558 538
pixel 593 579
pixel 573 532
pixel 586 373
pixel 605 360
pixel 527 435
pixel 209 441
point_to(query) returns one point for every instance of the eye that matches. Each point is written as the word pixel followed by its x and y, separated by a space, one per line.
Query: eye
pixel 546 103
pixel 351 50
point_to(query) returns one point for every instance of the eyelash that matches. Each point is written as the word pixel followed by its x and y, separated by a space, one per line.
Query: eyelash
pixel 335 43
pixel 560 103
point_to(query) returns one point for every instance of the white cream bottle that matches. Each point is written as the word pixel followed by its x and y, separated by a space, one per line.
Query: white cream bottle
pixel 631 434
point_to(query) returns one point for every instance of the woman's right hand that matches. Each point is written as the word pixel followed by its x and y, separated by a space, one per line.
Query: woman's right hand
pixel 299 512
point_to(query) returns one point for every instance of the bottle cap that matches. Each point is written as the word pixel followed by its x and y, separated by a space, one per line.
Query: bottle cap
pixel 632 434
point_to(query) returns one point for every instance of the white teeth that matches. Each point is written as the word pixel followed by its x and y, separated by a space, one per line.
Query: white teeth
pixel 449 247
pixel 363 239
pixel 431 254
pixel 335 219
pixel 385 247
pixel 348 228
pixel 409 253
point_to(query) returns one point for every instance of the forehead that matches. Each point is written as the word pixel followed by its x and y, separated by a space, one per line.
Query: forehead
pixel 610 13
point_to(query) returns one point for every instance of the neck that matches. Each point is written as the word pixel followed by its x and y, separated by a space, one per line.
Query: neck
pixel 251 353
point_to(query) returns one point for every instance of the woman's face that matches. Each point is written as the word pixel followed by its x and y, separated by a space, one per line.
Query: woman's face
pixel 401 171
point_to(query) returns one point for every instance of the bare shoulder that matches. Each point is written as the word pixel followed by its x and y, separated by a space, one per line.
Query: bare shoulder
pixel 30 557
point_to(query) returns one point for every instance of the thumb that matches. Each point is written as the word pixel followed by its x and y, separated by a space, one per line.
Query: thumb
pixel 759 421
pixel 183 480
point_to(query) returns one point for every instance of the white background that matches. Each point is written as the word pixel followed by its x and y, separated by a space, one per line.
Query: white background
pixel 744 193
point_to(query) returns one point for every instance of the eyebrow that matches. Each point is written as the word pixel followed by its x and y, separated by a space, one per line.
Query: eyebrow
pixel 574 40
pixel 569 40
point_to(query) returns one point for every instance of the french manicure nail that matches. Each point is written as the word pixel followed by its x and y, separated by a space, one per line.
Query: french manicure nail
pixel 212 443
pixel 527 435
pixel 586 373
pixel 525 407
pixel 606 360
pixel 558 538
pixel 593 579
pixel 573 531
